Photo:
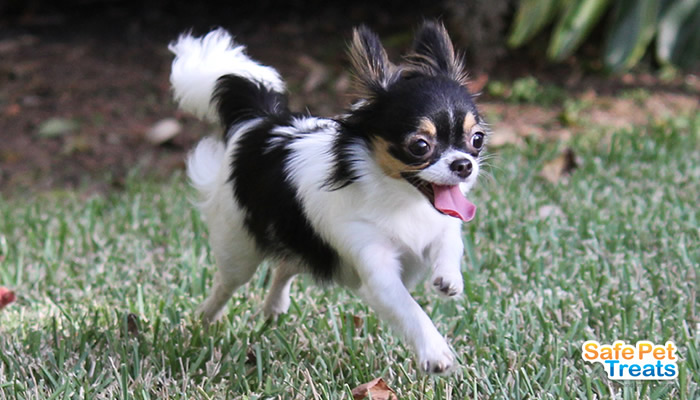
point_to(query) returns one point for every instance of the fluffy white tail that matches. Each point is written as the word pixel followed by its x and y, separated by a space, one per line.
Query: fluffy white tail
pixel 204 165
pixel 200 62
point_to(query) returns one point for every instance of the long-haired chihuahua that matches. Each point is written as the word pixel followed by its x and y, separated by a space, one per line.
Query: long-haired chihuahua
pixel 372 200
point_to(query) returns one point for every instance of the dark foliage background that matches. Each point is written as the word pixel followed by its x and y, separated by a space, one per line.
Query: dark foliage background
pixel 83 82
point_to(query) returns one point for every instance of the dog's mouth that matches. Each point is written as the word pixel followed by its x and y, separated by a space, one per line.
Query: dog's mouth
pixel 447 199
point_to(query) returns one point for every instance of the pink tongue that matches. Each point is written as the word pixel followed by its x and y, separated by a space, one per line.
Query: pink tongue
pixel 451 201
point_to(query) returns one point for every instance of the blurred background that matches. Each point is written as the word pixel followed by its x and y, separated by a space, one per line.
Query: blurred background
pixel 85 98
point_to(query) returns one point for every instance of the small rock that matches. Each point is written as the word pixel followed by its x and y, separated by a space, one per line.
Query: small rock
pixel 55 127
pixel 163 130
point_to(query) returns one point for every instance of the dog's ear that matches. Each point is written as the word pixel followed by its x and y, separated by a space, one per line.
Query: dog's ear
pixel 373 71
pixel 434 55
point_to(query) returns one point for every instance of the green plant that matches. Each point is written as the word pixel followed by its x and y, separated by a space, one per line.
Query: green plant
pixel 573 112
pixel 632 27
pixel 526 90
pixel 638 95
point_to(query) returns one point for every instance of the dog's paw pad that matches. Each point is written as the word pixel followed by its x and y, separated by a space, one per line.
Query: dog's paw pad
pixel 446 287
pixel 436 368
pixel 439 364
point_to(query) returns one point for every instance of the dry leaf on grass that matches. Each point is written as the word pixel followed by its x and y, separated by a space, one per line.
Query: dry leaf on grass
pixel 358 321
pixel 503 136
pixel 377 388
pixel 555 169
pixel 13 110
pixel 478 83
pixel 250 357
pixel 6 297
pixel 132 324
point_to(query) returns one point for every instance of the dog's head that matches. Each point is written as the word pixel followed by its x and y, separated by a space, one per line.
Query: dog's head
pixel 418 118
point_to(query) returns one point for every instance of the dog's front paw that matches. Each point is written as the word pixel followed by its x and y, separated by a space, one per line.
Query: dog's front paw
pixel 449 286
pixel 276 305
pixel 436 358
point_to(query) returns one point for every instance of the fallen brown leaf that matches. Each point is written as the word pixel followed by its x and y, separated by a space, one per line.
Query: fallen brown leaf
pixel 13 110
pixel 132 324
pixel 76 144
pixel 505 135
pixel 7 296
pixel 555 169
pixel 317 73
pixel 358 321
pixel 477 84
pixel 250 357
pixel 377 388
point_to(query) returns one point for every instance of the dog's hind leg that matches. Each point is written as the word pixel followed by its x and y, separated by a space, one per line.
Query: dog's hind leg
pixel 277 300
pixel 236 265
pixel 235 251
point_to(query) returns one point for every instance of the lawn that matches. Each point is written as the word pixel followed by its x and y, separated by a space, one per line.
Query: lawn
pixel 107 286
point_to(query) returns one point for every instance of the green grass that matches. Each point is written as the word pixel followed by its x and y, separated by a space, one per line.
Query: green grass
pixel 107 286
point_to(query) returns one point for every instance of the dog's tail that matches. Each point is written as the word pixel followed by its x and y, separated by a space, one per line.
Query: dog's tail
pixel 213 78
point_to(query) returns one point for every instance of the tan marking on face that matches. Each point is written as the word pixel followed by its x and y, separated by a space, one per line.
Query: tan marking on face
pixel 469 122
pixel 427 127
pixel 391 166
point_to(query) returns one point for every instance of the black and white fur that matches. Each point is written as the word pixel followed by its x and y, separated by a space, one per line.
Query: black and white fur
pixel 346 199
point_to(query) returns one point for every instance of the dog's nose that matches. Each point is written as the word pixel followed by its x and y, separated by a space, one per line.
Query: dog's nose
pixel 462 167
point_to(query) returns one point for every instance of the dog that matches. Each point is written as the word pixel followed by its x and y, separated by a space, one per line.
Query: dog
pixel 372 200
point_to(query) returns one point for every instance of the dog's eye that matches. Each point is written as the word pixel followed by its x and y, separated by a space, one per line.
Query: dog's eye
pixel 478 140
pixel 419 147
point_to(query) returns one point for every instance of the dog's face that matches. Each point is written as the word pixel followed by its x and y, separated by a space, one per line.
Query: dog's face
pixel 421 123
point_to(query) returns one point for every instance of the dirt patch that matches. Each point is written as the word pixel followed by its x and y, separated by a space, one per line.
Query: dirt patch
pixel 111 95
pixel 512 122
